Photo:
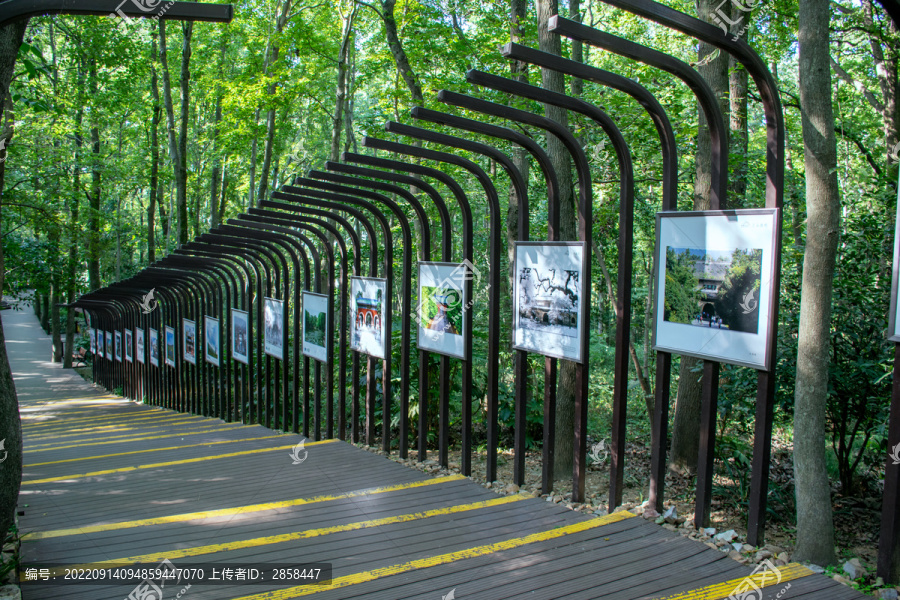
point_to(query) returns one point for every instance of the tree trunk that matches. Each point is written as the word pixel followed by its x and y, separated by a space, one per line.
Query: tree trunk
pixel 739 134
pixel 271 59
pixel 178 143
pixel 399 54
pixel 96 183
pixel 686 422
pixel 342 81
pixel 154 156
pixel 815 528
pixel 216 175
pixel 561 161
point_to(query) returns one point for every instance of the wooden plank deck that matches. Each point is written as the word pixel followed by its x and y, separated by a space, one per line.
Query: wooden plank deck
pixel 108 481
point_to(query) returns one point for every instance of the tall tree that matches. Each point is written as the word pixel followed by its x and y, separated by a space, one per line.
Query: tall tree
pixel 404 68
pixel 271 59
pixel 343 78
pixel 178 143
pixel 562 164
pixel 154 155
pixel 815 527
pixel 11 37
pixel 96 181
pixel 686 422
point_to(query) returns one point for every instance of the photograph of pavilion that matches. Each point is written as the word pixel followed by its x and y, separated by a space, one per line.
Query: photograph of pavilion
pixel 366 322
pixel 716 289
pixel 189 333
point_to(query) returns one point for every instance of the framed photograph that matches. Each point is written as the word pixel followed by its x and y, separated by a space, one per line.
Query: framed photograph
pixel 109 345
pixel 211 331
pixel 92 334
pixel 315 325
pixel 274 331
pixel 118 335
pixel 139 345
pixel 367 298
pixel 154 347
pixel 189 340
pixel 240 336
pixel 894 315
pixel 713 277
pixel 99 334
pixel 548 312
pixel 442 302
pixel 170 346
pixel 129 346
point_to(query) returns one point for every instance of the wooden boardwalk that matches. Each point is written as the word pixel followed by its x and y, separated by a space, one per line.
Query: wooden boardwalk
pixel 114 482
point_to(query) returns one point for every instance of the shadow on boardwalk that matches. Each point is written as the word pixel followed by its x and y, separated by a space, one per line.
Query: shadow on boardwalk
pixel 110 482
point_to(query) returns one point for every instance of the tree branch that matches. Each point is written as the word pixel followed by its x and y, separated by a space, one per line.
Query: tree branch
pixel 858 85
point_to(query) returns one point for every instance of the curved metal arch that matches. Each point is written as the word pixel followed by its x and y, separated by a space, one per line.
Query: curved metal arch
pixel 356 196
pixel 259 253
pixel 298 217
pixel 289 236
pixel 468 254
pixel 308 197
pixel 493 351
pixel 271 242
pixel 680 69
pixel 626 242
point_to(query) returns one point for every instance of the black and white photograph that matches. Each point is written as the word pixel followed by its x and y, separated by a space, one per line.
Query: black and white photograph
pixel 154 347
pixel 442 303
pixel 211 336
pixel 170 346
pixel 189 340
pixel 367 303
pixel 240 332
pixel 129 346
pixel 315 325
pixel 273 313
pixel 139 345
pixel 548 308
pixel 109 345
pixel 713 284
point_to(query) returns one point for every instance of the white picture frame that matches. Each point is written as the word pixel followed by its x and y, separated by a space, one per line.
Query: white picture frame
pixel 367 304
pixel 109 345
pixel 212 340
pixel 316 319
pixel 273 323
pixel 548 306
pixel 170 346
pixel 189 340
pixel 92 335
pixel 154 347
pixel 720 264
pixel 139 348
pixel 894 314
pixel 129 345
pixel 240 335
pixel 442 306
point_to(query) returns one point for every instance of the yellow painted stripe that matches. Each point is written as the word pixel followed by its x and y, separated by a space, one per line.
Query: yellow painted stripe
pixel 68 460
pixel 45 428
pixel 167 464
pixel 433 561
pixel 762 579
pixel 124 439
pixel 238 510
pixel 288 537
pixel 110 429
pixel 63 420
